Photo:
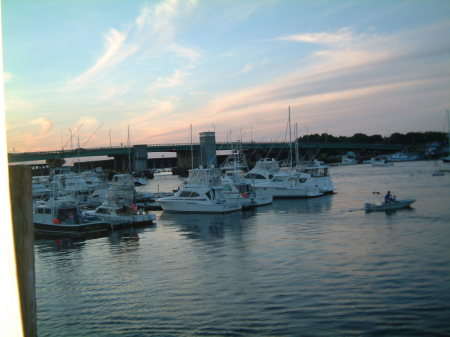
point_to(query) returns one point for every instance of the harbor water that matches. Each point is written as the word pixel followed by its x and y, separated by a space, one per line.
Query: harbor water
pixel 298 267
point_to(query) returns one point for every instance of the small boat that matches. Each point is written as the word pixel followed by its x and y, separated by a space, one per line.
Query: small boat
pixel 346 160
pixel 403 156
pixel 62 217
pixel 389 206
pixel 203 193
pixel 140 181
pixel 377 163
pixel 125 216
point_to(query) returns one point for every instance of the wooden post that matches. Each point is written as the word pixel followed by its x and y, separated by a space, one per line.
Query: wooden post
pixel 23 229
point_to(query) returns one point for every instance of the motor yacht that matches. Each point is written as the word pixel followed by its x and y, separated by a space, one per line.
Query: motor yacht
pixel 320 176
pixel 235 188
pixel 203 193
pixel 268 179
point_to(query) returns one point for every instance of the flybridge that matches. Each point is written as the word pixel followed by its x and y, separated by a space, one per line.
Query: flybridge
pixel 186 147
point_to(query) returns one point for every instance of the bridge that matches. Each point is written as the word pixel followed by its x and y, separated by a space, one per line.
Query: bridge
pixel 182 148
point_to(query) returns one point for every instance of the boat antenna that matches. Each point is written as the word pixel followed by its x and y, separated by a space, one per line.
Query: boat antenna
pixel 290 138
pixel 192 152
pixel 297 155
pixel 129 150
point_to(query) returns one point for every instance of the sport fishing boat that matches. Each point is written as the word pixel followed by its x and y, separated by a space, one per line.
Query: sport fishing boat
pixel 290 185
pixel 263 171
pixel 319 175
pixel 203 193
pixel 63 217
pixel 269 180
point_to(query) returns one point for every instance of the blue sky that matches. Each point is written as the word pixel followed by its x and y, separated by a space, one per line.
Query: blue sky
pixel 235 67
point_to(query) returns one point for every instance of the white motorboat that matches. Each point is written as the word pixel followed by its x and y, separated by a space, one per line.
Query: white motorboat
pixel 377 163
pixel 369 161
pixel 388 206
pixel 203 193
pixel 319 175
pixel 235 186
pixel 63 217
pixel 40 187
pixel 293 185
pixel 238 190
pixel 122 216
pixel 268 179
pixel 140 181
pixel 346 160
pixel 403 156
pixel 263 171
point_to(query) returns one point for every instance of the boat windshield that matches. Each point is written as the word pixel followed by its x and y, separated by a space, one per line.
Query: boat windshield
pixel 189 194
pixel 279 179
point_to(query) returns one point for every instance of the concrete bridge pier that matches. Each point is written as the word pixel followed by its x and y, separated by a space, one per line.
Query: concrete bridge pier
pixel 134 161
pixel 139 156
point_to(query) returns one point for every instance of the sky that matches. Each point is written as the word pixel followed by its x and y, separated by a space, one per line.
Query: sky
pixel 83 73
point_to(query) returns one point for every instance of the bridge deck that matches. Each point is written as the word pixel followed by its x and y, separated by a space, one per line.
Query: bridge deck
pixel 182 147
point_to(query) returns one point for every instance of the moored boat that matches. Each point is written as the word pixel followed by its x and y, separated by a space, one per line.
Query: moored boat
pixel 380 163
pixel 203 193
pixel 122 216
pixel 63 217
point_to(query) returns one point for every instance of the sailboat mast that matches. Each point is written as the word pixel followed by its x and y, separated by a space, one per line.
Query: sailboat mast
pixel 448 131
pixel 297 155
pixel 290 137
pixel 129 149
pixel 192 152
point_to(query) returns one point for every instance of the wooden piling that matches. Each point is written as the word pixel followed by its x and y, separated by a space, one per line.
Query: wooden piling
pixel 23 229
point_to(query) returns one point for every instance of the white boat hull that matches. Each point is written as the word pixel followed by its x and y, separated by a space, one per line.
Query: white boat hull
pixel 192 206
pixel 379 164
pixel 282 192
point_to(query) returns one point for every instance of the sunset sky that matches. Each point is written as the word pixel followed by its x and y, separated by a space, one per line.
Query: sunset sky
pixel 235 67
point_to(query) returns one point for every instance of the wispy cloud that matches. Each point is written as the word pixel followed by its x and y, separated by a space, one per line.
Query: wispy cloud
pixel 115 51
pixel 251 66
pixel 45 124
pixel 170 81
pixel 341 37
pixel 151 35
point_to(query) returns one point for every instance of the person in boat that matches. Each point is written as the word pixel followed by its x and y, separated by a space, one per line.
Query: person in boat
pixel 388 197
pixel 76 217
pixel 394 198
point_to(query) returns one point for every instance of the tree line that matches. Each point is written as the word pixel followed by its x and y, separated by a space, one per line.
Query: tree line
pixel 410 138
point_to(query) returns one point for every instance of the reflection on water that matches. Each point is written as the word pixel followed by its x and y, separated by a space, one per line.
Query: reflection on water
pixel 309 205
pixel 313 267
pixel 205 226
